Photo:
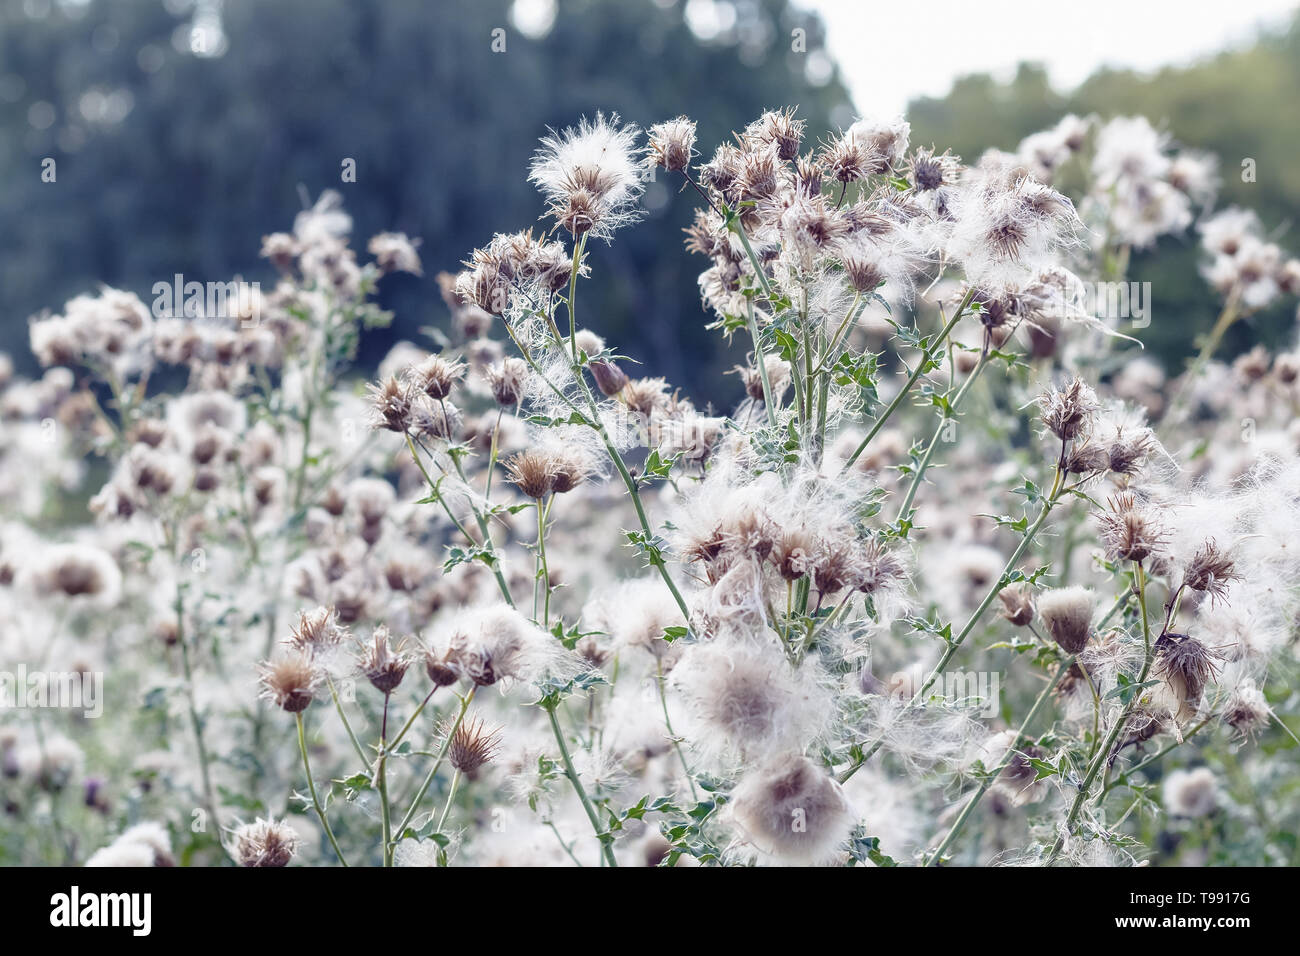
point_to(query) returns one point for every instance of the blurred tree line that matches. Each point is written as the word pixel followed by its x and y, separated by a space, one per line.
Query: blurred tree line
pixel 1239 105
pixel 172 159
pixel 440 121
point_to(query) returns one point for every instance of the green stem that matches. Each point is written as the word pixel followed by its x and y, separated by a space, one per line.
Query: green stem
pixel 606 839
pixel 668 724
pixel 573 293
pixel 992 775
pixel 759 360
pixel 487 540
pixel 381 777
pixel 926 358
pixel 924 465
pixel 451 795
pixel 543 572
pixel 433 771
pixel 311 787
pixel 955 644
pixel 347 724
pixel 1103 754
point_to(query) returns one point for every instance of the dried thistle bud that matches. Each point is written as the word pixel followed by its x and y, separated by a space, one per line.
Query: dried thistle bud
pixel 290 681
pixel 723 169
pixel 265 843
pixel 395 252
pixel 791 554
pixel 1068 412
pixel 878 569
pixel 1211 570
pixel 472 746
pixel 1128 453
pixel 334 502
pixel 1129 531
pixel 1067 615
pixel 206 480
pixel 778 377
pixel 390 406
pixel 610 379
pixel 440 420
pixel 1017 606
pixel 507 380
pixel 1085 458
pixel 778 130
pixel 1247 710
pixel 317 631
pixel 532 472
pixel 435 376
pixel 567 472
pixel 965 361
pixel 1186 665
pixel 671 144
pixel 929 172
pixel 443 669
pixel 383 666
pixel 760 174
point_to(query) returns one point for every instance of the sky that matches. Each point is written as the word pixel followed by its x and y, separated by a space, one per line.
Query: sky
pixel 885 64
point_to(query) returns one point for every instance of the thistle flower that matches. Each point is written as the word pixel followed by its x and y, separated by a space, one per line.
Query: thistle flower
pixel 1019 778
pixel 435 376
pixel 1068 412
pixel 792 811
pixel 1017 606
pixel 507 379
pixel 79 572
pixel 722 171
pixel 442 667
pixel 1191 793
pixel 281 249
pixel 777 130
pixel 390 406
pixel 1186 665
pixel 383 665
pixel 1127 454
pixel 610 379
pixel 472 746
pixel 568 470
pixel 143 845
pixel 317 631
pixel 265 843
pixel 1085 458
pixel 1129 531
pixel 496 642
pixel 395 252
pixel 1211 570
pixel 1247 710
pixel 290 681
pixel 929 172
pixel 532 472
pixel 748 701
pixel 440 420
pixel 671 144
pixel 589 176
pixel 1067 615
pixel 778 377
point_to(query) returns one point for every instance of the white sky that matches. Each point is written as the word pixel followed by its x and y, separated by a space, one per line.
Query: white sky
pixel 885 62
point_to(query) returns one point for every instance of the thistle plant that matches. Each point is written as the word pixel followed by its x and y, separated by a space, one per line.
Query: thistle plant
pixel 961 578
